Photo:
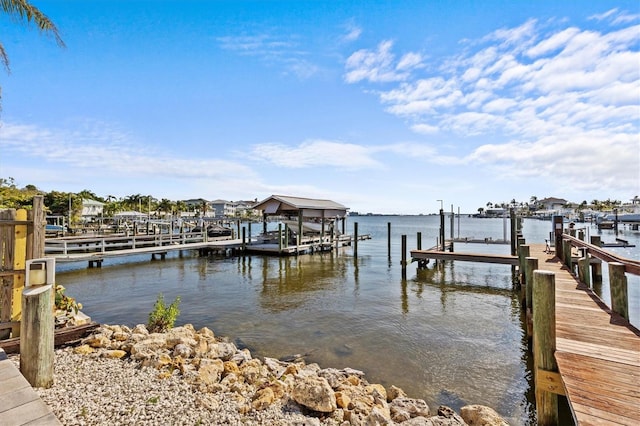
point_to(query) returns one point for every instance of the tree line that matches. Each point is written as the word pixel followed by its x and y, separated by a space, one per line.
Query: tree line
pixel 64 203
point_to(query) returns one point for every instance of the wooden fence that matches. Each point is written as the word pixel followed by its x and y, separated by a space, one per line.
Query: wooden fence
pixel 22 236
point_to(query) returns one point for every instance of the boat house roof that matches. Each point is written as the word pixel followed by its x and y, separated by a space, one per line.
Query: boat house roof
pixel 284 205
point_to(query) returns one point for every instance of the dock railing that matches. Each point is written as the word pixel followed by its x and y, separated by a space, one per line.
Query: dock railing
pixel 103 244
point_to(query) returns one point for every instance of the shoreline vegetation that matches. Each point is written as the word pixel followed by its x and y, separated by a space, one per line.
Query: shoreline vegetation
pixel 122 375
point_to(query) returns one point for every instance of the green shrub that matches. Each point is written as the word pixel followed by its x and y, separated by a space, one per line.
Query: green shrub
pixel 163 317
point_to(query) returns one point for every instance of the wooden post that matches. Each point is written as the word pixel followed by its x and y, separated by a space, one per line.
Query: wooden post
pixel 566 254
pixel 285 237
pixel 419 240
pixel 280 237
pixel 583 270
pixel 596 277
pixel 244 238
pixel 36 336
pixel 531 264
pixel 389 238
pixel 514 231
pixel 403 256
pixel 355 239
pixel 36 230
pixel 618 289
pixel 442 243
pixel 524 251
pixel 544 346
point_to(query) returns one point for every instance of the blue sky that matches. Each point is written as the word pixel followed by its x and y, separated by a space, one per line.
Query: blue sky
pixel 383 106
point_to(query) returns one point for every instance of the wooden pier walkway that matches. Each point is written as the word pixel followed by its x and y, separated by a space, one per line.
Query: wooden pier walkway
pixel 597 351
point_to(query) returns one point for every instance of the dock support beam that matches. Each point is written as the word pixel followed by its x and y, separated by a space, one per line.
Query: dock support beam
pixel 544 347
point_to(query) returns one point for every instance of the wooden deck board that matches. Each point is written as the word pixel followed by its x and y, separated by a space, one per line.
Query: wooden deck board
pixel 19 403
pixel 597 351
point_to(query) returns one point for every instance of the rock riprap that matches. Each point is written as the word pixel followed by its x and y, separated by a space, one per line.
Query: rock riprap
pixel 122 375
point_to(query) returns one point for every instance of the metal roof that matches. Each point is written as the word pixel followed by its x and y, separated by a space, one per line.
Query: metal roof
pixel 278 204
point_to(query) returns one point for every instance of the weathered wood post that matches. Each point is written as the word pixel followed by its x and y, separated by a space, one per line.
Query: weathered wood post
pixel 547 380
pixel 36 336
pixel 531 264
pixel 618 289
pixel 513 231
pixel 280 237
pixel 389 239
pixel 419 240
pixel 355 239
pixel 583 269
pixel 524 251
pixel 442 242
pixel 403 257
pixel 244 238
pixel 566 254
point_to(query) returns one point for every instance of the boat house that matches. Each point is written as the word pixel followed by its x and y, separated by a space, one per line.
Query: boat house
pixel 309 223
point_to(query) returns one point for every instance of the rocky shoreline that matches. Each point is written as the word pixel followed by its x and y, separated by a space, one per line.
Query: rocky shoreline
pixel 129 376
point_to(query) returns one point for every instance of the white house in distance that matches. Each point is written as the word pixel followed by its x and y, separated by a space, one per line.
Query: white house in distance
pixel 91 210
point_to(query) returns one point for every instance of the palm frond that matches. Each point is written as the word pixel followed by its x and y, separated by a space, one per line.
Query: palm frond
pixel 29 13
pixel 4 58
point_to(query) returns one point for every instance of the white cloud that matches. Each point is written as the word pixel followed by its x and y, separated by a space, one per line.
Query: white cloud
pixel 353 33
pixel 100 147
pixel 378 66
pixel 316 153
pixel 552 101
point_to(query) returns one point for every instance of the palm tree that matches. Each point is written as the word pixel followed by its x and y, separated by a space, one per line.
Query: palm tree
pixel 27 13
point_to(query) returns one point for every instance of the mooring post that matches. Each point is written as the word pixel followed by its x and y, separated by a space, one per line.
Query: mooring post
pixel 618 289
pixel 566 254
pixel 355 239
pixel 442 242
pixel 523 252
pixel 531 264
pixel 419 240
pixel 583 270
pixel 544 346
pixel 514 231
pixel 389 239
pixel 36 336
pixel 403 256
pixel 280 237
pixel 244 238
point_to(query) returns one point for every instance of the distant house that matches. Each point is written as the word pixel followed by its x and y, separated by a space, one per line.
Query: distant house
pixel 551 203
pixel 223 208
pixel 91 210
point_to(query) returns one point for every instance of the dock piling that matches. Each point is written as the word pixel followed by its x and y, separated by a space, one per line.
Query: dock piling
pixel 618 289
pixel 544 347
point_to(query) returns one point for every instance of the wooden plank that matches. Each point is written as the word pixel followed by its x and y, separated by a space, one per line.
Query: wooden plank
pixel 464 257
pixel 62 336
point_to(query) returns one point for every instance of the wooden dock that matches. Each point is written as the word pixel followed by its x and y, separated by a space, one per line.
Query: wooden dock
pixel 19 403
pixel 597 351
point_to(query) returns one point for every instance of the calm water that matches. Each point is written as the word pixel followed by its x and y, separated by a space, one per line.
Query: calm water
pixel 451 335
